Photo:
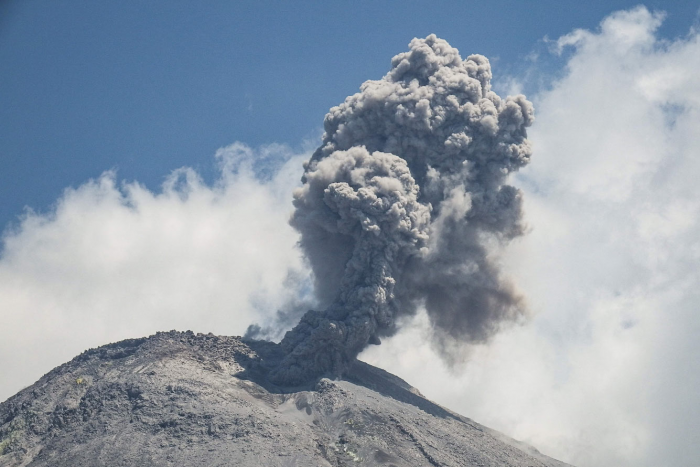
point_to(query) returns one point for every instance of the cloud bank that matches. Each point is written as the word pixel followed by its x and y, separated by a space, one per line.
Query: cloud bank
pixel 114 260
pixel 608 372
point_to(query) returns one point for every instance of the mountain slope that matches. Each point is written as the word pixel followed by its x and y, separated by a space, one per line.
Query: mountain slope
pixel 180 399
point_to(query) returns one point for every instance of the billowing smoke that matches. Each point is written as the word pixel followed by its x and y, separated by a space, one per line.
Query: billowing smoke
pixel 406 203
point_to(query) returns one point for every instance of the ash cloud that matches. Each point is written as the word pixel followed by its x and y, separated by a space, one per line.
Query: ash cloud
pixel 406 203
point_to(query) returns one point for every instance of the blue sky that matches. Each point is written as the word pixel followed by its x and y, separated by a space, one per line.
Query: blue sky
pixel 147 87
pixel 118 123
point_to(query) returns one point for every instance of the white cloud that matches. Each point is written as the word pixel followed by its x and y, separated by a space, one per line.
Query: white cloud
pixel 607 373
pixel 115 260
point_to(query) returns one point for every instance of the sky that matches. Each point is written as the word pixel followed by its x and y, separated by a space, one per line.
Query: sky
pixel 148 153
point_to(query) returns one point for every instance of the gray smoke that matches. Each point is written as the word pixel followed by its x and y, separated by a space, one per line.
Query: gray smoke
pixel 406 203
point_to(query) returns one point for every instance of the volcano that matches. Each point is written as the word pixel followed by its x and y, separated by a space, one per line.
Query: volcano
pixel 185 399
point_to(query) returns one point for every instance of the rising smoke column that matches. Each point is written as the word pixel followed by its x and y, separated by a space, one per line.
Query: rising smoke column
pixel 406 203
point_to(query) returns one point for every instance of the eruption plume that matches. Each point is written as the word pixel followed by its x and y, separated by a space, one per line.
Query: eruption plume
pixel 406 203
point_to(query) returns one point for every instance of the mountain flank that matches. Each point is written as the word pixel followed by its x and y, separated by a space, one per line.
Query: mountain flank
pixel 180 399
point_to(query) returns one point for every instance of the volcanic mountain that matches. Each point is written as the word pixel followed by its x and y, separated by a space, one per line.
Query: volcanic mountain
pixel 180 399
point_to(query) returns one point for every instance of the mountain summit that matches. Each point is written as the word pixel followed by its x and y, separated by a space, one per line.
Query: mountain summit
pixel 180 399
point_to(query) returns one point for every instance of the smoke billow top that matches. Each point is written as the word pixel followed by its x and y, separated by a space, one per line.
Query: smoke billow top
pixel 406 203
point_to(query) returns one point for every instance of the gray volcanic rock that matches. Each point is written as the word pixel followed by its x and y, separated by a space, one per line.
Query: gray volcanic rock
pixel 180 399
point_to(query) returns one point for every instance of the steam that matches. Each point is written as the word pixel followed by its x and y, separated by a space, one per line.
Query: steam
pixel 406 203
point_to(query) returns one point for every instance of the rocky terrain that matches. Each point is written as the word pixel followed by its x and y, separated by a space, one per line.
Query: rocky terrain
pixel 180 399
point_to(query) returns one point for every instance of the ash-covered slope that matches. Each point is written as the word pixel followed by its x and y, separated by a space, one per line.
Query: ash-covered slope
pixel 180 399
